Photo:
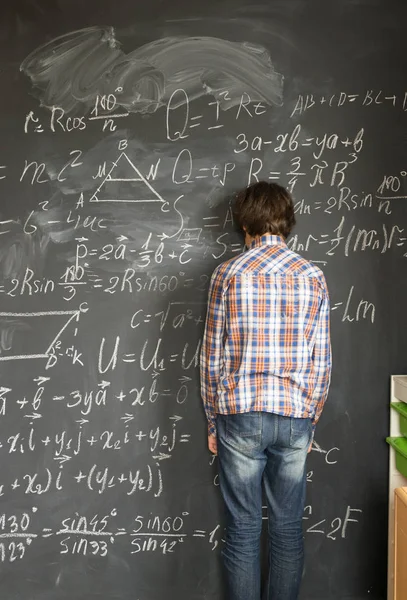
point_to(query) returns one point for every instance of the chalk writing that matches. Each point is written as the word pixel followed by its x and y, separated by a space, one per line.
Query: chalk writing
pixel 127 188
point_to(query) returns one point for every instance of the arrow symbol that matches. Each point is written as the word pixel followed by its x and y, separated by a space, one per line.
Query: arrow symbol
pixel 82 239
pixel 154 374
pixel 127 417
pixel 62 459
pixel 122 238
pixel 163 236
pixel 186 246
pixel 176 418
pixel 82 421
pixel 33 416
pixel 41 380
pixel 184 378
pixel 161 456
pixel 104 384
pixel 4 390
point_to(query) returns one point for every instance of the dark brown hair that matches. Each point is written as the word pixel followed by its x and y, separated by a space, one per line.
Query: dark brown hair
pixel 265 208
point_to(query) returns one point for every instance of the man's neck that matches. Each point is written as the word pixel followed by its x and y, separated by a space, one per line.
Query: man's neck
pixel 250 239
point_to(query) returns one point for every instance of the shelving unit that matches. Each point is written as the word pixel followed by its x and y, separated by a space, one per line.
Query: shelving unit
pixel 396 480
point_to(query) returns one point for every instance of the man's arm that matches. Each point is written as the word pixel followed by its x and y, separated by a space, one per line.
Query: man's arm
pixel 212 349
pixel 322 355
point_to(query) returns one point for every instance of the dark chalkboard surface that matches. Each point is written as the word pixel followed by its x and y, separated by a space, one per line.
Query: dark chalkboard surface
pixel 126 129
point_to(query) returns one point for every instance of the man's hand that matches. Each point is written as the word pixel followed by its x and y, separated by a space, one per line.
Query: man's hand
pixel 213 444
pixel 310 447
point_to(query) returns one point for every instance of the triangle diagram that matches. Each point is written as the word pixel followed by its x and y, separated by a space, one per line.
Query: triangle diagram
pixel 125 183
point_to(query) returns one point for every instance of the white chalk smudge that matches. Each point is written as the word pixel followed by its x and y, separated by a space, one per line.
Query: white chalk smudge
pixel 71 70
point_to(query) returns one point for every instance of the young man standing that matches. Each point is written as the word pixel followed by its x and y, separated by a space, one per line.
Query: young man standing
pixel 265 373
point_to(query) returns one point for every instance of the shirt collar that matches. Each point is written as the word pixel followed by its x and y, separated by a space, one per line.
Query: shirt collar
pixel 267 240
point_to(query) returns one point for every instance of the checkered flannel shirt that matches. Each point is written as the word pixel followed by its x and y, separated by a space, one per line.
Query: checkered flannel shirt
pixel 266 345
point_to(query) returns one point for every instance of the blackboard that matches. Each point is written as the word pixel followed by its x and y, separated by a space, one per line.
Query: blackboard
pixel 126 129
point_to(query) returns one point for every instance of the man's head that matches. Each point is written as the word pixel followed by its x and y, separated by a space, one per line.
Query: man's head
pixel 265 208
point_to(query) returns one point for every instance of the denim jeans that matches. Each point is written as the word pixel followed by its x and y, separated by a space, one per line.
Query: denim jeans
pixel 258 448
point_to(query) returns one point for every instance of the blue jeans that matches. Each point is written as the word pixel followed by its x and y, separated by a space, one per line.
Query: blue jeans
pixel 256 448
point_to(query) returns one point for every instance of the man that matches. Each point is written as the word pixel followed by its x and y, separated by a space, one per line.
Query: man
pixel 265 374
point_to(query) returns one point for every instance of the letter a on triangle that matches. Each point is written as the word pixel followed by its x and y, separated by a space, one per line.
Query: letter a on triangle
pixel 125 183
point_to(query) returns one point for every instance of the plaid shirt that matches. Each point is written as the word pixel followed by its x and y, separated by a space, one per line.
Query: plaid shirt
pixel 266 345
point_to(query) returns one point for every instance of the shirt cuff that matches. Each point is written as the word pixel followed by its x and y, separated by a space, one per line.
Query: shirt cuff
pixel 212 426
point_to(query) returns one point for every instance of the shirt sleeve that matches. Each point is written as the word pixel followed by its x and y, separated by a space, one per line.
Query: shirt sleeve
pixel 322 355
pixel 212 349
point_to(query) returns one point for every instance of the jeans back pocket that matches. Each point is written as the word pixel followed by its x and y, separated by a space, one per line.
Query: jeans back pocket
pixel 243 430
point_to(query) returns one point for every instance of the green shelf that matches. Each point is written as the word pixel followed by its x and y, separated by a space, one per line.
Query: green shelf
pixel 400 446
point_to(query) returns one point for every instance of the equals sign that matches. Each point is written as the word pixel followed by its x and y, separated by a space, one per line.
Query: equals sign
pixel 336 305
pixel 194 119
pixel 202 176
pixel 185 437
pixel 47 532
pixel 121 531
pixel 199 533
pixel 275 174
pixel 5 222
pixel 211 219
pixel 173 357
